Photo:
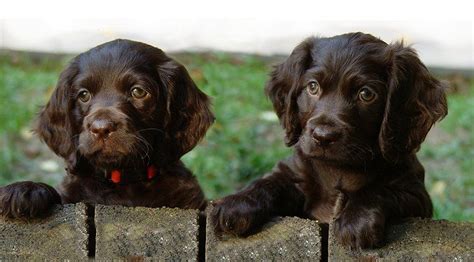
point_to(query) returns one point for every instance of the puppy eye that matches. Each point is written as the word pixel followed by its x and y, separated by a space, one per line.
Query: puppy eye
pixel 84 96
pixel 367 95
pixel 138 92
pixel 313 87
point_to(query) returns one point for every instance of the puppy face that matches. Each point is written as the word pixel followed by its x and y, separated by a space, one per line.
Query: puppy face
pixel 116 104
pixel 341 103
pixel 351 98
pixel 124 104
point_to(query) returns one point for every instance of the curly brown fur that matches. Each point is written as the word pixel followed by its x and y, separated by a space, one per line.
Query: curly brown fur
pixel 126 106
pixel 355 111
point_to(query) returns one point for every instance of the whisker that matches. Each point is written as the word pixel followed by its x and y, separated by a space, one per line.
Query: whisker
pixel 143 152
pixel 151 129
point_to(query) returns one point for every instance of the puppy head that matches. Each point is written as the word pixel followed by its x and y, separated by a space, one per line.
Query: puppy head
pixel 124 103
pixel 350 97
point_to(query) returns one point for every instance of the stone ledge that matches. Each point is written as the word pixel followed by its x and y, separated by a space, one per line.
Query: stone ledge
pixel 174 234
pixel 415 240
pixel 62 236
pixel 146 233
pixel 284 239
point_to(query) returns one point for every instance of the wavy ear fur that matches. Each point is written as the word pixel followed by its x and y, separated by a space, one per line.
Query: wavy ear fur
pixel 282 89
pixel 54 124
pixel 415 101
pixel 188 109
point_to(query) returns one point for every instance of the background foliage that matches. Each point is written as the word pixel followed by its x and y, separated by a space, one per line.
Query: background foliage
pixel 246 139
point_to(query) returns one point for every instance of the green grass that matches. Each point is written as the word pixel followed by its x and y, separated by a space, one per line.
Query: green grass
pixel 24 85
pixel 246 139
pixel 243 144
pixel 449 162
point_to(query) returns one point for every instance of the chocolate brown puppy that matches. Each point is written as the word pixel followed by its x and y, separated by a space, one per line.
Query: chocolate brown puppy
pixel 355 111
pixel 121 116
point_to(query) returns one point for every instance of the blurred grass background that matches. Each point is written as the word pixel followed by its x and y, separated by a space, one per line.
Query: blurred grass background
pixel 246 139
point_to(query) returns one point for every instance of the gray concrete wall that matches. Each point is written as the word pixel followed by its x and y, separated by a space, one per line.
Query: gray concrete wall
pixel 283 239
pixel 415 240
pixel 64 235
pixel 113 232
pixel 166 233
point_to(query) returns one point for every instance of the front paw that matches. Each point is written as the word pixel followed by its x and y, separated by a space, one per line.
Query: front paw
pixel 238 214
pixel 360 227
pixel 24 200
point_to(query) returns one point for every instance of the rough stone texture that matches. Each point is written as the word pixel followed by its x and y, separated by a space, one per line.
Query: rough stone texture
pixel 62 236
pixel 148 233
pixel 284 239
pixel 415 240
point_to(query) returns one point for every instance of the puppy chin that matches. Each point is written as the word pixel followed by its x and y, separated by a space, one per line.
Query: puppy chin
pixel 115 152
pixel 104 158
pixel 340 153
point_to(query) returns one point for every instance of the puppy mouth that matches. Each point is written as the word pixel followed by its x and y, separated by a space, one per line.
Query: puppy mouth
pixel 116 150
pixel 312 149
pixel 341 151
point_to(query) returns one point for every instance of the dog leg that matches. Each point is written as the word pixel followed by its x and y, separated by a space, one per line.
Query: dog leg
pixel 25 200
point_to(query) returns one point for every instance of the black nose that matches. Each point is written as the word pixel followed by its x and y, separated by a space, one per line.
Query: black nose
pixel 102 128
pixel 325 135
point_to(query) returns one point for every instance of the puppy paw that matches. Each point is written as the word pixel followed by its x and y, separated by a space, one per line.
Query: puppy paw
pixel 360 228
pixel 25 200
pixel 238 214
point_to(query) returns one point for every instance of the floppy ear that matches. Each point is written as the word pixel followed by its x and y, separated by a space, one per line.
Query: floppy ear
pixel 415 101
pixel 54 124
pixel 188 112
pixel 282 89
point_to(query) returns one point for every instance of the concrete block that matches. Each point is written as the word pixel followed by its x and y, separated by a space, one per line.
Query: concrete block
pixel 415 240
pixel 62 236
pixel 146 233
pixel 283 239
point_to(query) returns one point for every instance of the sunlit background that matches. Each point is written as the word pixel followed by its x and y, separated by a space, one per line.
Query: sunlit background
pixel 229 59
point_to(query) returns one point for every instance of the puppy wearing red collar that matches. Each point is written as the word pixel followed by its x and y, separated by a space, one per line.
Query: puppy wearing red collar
pixel 121 116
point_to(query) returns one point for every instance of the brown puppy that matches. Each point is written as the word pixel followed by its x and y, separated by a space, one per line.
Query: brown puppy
pixel 122 115
pixel 355 110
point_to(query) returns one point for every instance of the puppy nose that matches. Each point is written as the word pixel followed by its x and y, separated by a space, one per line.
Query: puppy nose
pixel 102 128
pixel 324 135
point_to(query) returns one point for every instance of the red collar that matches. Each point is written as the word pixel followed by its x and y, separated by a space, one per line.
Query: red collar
pixel 116 175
